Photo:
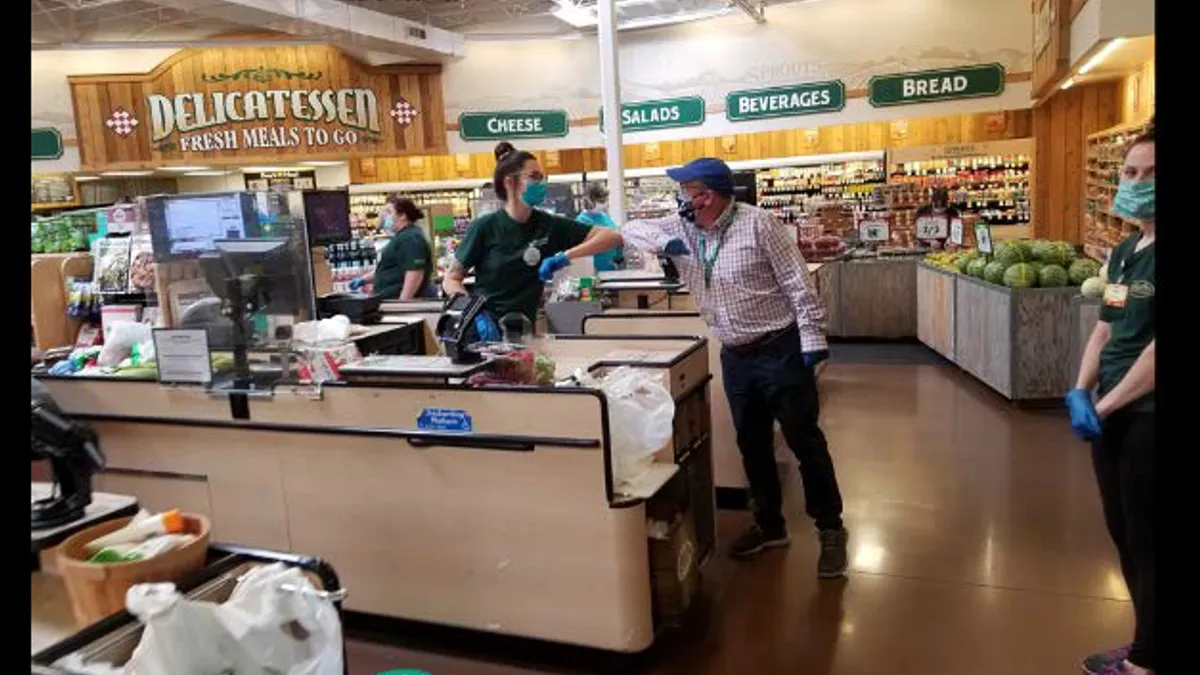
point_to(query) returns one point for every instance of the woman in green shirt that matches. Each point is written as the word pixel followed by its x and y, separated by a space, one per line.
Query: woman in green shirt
pixel 405 267
pixel 1119 357
pixel 517 249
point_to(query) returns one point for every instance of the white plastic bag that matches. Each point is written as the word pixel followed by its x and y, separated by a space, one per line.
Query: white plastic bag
pixel 641 414
pixel 261 630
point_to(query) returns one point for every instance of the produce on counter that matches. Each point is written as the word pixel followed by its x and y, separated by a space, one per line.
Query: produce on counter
pixel 822 249
pixel 953 261
pixel 977 266
pixel 1093 288
pixel 1019 264
pixel 994 272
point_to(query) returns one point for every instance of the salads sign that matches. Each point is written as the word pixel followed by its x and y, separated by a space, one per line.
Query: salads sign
pixel 687 111
pixel 255 104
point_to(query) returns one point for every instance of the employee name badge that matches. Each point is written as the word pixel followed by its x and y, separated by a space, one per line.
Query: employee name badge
pixel 533 253
pixel 1115 295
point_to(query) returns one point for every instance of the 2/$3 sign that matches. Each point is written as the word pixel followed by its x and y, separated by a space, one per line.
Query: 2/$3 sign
pixel 191 116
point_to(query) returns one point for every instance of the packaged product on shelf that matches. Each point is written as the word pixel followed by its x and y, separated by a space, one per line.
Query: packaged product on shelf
pixel 141 264
pixel 111 264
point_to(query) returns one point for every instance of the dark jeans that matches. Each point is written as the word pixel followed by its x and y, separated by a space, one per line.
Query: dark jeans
pixel 773 384
pixel 1124 461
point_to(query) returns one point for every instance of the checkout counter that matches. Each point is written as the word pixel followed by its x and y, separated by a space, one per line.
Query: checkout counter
pixel 641 289
pixel 489 508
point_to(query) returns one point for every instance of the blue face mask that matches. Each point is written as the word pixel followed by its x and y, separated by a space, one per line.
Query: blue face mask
pixel 389 223
pixel 535 193
pixel 1135 200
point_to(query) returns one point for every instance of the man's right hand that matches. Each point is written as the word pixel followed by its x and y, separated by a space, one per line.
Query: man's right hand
pixel 675 248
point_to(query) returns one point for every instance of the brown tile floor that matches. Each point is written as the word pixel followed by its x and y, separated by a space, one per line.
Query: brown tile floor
pixel 977 548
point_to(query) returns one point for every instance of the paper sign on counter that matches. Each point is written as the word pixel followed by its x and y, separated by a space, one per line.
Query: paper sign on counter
pixel 182 356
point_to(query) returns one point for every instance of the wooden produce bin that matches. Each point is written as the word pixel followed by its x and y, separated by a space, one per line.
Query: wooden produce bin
pixel 48 274
pixel 870 298
pixel 936 309
pixel 1085 312
pixel 1017 341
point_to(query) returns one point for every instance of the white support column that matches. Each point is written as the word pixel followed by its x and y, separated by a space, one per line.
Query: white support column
pixel 610 99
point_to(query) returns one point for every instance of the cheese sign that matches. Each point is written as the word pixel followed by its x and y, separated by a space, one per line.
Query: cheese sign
pixel 669 113
pixel 789 101
pixel 506 124
pixel 933 227
pixel 936 85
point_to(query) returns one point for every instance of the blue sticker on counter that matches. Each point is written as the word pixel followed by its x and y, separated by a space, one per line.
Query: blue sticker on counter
pixel 444 419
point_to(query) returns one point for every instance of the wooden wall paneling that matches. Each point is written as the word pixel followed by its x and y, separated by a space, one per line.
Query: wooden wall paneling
pixel 1058 146
pixel 1054 60
pixel 1073 168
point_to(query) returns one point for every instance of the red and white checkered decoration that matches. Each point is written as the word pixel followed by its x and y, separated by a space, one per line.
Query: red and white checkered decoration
pixel 121 122
pixel 404 113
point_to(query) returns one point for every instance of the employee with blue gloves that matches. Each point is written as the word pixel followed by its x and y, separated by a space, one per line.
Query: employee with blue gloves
pixel 753 290
pixel 1119 357
pixel 517 249
pixel 405 267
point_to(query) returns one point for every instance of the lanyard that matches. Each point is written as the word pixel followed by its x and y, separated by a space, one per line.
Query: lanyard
pixel 707 262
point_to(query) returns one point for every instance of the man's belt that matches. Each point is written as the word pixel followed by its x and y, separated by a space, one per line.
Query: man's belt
pixel 761 342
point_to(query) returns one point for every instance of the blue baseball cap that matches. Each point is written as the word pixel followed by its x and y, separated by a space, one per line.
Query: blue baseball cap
pixel 714 173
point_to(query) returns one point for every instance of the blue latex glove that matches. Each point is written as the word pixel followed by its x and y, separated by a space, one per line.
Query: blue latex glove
pixel 675 248
pixel 358 283
pixel 551 265
pixel 811 359
pixel 486 327
pixel 1084 421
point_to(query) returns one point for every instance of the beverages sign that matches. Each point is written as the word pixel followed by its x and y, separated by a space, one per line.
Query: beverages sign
pixel 669 113
pixel 508 124
pixel 194 121
pixel 789 101
pixel 936 85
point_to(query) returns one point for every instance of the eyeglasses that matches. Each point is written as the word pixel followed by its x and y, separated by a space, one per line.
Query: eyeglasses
pixel 535 176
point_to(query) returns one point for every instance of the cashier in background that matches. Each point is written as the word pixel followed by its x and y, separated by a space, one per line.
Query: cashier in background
pixel 515 250
pixel 595 215
pixel 753 290
pixel 405 267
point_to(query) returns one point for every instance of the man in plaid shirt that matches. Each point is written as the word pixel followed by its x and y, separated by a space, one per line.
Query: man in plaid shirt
pixel 753 291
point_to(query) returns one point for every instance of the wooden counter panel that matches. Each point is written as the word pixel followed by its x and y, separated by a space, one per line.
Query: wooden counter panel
pixel 877 298
pixel 238 469
pixel 518 543
pixel 727 461
pixel 1041 334
pixel 935 310
pixel 983 346
pixel 828 279
pixel 492 412
pixel 88 396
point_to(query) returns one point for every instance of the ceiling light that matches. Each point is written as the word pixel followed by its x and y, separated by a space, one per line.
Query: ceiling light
pixel 631 3
pixel 574 15
pixel 1067 84
pixel 126 174
pixel 669 19
pixel 80 179
pixel 206 173
pixel 323 162
pixel 266 169
pixel 182 168
pixel 1101 55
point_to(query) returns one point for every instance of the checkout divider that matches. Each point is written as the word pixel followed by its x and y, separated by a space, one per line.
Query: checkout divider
pixel 492 508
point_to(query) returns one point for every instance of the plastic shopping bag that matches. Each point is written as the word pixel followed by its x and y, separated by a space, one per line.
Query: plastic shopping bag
pixel 641 414
pixel 263 629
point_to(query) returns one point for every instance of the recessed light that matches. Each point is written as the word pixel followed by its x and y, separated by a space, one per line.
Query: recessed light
pixel 1067 84
pixel 205 173
pixel 80 179
pixel 121 174
pixel 323 162
pixel 264 169
pixel 1101 55
pixel 182 168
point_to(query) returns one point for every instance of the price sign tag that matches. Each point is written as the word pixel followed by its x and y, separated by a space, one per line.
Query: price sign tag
pixel 873 230
pixel 983 237
pixel 956 231
pixel 933 227
pixel 182 355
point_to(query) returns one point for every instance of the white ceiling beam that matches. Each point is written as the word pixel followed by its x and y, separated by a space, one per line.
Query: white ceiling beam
pixel 753 8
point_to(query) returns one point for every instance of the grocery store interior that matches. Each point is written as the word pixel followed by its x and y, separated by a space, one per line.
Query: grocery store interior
pixel 338 477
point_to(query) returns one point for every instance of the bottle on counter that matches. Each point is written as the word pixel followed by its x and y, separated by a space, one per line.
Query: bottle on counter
pixel 142 527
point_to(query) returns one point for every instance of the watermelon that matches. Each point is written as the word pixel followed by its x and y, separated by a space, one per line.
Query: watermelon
pixel 1020 275
pixel 1053 276
pixel 994 272
pixel 1010 253
pixel 1092 288
pixel 1040 248
pixel 1082 269
pixel 1025 247
pixel 1037 265
pixel 1058 253
pixel 976 267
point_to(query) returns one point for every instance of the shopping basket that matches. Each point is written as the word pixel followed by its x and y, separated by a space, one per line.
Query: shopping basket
pixel 112 640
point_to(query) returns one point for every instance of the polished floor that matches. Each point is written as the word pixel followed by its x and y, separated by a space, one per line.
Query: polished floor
pixel 977 548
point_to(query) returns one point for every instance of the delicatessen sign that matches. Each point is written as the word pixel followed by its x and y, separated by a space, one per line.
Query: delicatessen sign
pixel 238 104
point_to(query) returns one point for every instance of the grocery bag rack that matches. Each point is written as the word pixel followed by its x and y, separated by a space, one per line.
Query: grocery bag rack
pixel 226 564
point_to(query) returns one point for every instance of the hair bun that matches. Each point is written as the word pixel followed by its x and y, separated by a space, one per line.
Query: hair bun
pixel 503 149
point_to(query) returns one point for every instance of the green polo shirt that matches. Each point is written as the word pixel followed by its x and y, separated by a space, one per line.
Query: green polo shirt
pixel 1133 325
pixel 408 251
pixel 495 248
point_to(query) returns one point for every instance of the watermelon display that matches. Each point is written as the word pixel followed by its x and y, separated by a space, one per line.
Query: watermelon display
pixel 1037 265
pixel 1040 248
pixel 1010 253
pixel 1082 269
pixel 1020 275
pixel 1093 288
pixel 1058 253
pixel 1053 276
pixel 994 272
pixel 963 263
pixel 1024 248
pixel 976 267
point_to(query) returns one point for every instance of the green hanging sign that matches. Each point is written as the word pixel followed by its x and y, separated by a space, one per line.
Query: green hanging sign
pixel 667 113
pixel 509 124
pixel 789 101
pixel 46 143
pixel 946 84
